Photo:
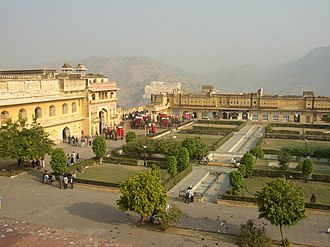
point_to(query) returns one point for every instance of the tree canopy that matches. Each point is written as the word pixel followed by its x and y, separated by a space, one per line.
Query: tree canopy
pixel 284 157
pixel 307 168
pixel 143 193
pixel 20 140
pixel 281 203
pixel 59 161
pixel 99 147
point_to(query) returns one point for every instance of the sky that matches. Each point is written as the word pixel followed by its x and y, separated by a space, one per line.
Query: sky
pixel 197 36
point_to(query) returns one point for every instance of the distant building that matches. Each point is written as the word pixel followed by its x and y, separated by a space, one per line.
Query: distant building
pixel 160 87
pixel 210 104
pixel 69 102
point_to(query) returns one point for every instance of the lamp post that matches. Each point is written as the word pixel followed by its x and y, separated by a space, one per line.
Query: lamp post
pixel 305 143
pixel 145 156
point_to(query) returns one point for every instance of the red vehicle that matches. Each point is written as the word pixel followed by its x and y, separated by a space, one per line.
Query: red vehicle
pixel 187 116
pixel 165 122
pixel 120 132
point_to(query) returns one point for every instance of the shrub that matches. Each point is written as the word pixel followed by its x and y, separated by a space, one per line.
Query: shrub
pixel 236 182
pixel 171 165
pixel 170 217
pixel 131 136
pixel 59 161
pixel 253 236
pixel 183 159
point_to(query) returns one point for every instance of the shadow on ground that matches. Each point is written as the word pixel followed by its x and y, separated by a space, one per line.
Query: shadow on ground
pixel 103 213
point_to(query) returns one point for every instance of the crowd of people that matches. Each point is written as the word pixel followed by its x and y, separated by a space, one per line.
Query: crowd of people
pixel 84 141
pixel 74 158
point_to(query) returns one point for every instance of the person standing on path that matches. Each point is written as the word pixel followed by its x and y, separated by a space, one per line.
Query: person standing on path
pixel 60 180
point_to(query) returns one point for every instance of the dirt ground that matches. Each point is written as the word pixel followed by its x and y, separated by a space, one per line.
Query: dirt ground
pixel 15 233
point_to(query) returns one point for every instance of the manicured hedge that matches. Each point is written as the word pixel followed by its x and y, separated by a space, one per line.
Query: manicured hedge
pixel 205 132
pixel 289 174
pixel 285 132
pixel 99 183
pixel 253 199
pixel 277 173
pixel 83 163
pixel 121 160
pixel 177 178
pixel 316 133
pixel 297 137
pixel 306 126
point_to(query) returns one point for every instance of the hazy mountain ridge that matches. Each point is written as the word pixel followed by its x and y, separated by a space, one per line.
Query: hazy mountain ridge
pixel 310 73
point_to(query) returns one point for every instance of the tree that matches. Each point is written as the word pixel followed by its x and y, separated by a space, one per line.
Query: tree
pixel 171 165
pixel 284 157
pixel 19 140
pixel 298 152
pixel 99 147
pixel 131 136
pixel 236 182
pixel 196 147
pixel 190 145
pixel 281 203
pixel 183 159
pixel 257 152
pixel 253 236
pixel 143 194
pixel 307 168
pixel 248 161
pixel 59 161
pixel 170 217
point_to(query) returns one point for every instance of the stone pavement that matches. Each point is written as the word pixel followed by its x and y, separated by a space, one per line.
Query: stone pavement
pixel 82 210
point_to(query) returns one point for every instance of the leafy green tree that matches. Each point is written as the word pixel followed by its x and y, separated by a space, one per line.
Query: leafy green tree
pixel 131 136
pixel 257 152
pixel 59 161
pixel 248 161
pixel 190 145
pixel 236 182
pixel 201 149
pixel 281 203
pixel 298 152
pixel 167 147
pixel 284 157
pixel 253 236
pixel 183 159
pixel 307 168
pixel 143 194
pixel 171 165
pixel 19 140
pixel 99 147
pixel 170 217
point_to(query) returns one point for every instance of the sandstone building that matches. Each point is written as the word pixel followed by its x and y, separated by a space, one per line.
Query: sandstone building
pixel 210 104
pixel 69 102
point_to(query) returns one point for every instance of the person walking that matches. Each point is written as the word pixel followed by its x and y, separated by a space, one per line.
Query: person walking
pixel 60 180
pixel 77 157
pixel 65 182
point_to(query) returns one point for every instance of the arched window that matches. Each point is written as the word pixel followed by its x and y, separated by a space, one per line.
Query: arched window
pixel 74 107
pixel 111 95
pixel 52 111
pixel 65 108
pixel 93 96
pixel 4 117
pixel 38 112
pixel 22 114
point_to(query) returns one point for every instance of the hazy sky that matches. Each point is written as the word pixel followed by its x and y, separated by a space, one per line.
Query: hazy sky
pixel 196 35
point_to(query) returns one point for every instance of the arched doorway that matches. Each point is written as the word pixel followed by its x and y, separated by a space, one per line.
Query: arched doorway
pixel 65 134
pixel 103 120
pixel 225 115
pixel 244 116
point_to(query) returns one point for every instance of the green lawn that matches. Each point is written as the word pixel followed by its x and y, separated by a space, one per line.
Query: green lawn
pixel 319 167
pixel 320 188
pixel 207 139
pixel 114 173
pixel 279 143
